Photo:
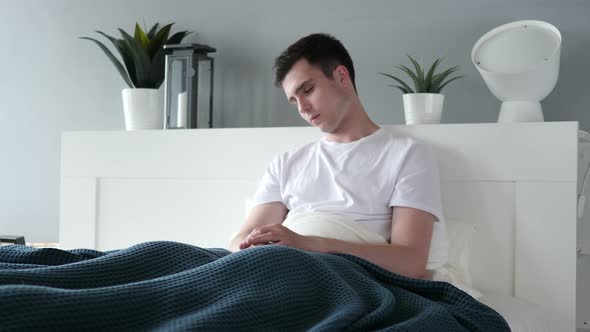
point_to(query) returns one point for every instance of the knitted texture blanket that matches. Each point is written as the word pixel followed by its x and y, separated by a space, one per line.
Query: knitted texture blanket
pixel 180 287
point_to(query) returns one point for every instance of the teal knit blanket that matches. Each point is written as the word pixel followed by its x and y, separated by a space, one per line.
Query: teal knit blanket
pixel 172 286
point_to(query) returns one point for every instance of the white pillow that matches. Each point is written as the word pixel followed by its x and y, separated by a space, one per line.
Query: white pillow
pixel 460 240
pixel 333 226
pixel 438 255
pixel 456 270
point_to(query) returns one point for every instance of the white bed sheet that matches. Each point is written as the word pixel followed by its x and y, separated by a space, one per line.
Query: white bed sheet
pixel 523 316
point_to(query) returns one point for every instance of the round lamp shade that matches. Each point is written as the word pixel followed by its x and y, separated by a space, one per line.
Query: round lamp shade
pixel 519 62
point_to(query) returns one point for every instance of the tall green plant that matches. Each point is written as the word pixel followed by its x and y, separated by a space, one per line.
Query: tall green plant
pixel 424 82
pixel 143 54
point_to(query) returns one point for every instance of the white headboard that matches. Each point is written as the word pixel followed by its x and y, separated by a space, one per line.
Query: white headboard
pixel 516 182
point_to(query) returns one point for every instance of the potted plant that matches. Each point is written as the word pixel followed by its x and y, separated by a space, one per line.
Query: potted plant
pixel 424 103
pixel 142 69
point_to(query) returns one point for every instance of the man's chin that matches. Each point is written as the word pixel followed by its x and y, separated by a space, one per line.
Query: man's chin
pixel 324 129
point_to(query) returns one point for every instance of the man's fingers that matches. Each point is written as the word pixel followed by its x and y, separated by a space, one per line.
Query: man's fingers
pixel 253 232
pixel 261 235
pixel 244 244
pixel 262 239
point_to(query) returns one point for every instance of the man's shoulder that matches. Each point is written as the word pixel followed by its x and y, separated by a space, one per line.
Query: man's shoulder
pixel 399 140
pixel 296 152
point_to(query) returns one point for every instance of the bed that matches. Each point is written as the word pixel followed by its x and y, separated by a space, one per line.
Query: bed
pixel 515 183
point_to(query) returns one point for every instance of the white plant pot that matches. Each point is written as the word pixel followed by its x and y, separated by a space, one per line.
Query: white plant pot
pixel 423 108
pixel 143 109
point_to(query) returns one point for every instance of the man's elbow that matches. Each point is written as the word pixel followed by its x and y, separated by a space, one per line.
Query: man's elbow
pixel 234 244
pixel 418 273
pixel 418 269
pixel 415 272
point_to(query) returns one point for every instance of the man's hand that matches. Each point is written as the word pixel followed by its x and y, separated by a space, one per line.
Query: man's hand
pixel 279 235
pixel 260 216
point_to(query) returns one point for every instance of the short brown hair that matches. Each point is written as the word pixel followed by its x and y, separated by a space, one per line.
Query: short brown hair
pixel 319 49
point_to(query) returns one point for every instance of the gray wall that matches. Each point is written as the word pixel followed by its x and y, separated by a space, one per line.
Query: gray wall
pixel 53 82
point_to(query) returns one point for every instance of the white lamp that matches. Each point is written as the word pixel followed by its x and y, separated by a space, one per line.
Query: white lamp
pixel 519 62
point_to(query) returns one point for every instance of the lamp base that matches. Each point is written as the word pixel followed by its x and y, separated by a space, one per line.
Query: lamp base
pixel 521 111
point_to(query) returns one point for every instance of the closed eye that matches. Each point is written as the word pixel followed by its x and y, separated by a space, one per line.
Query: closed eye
pixel 304 88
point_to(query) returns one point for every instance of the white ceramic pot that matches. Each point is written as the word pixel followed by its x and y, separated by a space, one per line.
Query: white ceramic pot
pixel 521 111
pixel 423 108
pixel 143 109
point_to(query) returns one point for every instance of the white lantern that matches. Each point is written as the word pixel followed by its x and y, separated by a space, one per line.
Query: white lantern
pixel 188 91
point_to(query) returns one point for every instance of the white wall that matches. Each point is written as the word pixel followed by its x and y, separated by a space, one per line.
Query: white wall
pixel 52 81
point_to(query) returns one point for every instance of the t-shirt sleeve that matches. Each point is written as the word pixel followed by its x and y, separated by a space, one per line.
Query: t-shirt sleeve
pixel 269 187
pixel 418 182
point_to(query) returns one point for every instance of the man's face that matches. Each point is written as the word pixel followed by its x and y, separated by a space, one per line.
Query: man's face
pixel 321 101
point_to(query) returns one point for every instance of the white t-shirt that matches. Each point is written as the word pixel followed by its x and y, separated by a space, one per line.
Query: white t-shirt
pixel 363 179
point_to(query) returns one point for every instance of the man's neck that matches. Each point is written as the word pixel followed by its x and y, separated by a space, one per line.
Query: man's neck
pixel 357 126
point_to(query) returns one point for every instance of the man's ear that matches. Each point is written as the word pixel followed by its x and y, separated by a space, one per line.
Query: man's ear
pixel 341 73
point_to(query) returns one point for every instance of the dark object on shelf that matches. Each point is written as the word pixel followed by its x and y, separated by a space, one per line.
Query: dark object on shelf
pixel 12 239
pixel 188 86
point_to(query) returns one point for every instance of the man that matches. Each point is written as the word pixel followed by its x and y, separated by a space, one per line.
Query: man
pixel 389 183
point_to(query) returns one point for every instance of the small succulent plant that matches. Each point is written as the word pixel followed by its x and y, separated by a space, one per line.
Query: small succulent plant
pixel 143 54
pixel 429 82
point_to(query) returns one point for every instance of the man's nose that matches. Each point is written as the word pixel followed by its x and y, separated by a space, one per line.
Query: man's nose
pixel 304 106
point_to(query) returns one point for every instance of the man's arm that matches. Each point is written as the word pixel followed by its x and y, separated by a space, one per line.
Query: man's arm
pixel 407 254
pixel 260 215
